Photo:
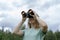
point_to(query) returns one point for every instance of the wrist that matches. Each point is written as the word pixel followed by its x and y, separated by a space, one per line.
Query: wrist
pixel 23 19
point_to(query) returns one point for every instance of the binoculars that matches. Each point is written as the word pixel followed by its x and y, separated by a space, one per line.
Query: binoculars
pixel 28 14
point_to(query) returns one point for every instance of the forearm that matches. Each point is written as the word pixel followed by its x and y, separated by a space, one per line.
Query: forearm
pixel 40 21
pixel 17 28
pixel 42 24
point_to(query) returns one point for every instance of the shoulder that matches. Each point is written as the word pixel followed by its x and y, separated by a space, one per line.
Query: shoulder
pixel 41 31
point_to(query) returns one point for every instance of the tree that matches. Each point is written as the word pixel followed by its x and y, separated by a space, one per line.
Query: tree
pixel 57 33
pixel 50 36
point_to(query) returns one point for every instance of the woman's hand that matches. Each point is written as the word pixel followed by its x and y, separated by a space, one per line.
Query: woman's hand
pixel 33 14
pixel 23 15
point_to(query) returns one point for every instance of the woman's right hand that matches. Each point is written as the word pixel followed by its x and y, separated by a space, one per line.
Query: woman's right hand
pixel 33 13
pixel 23 15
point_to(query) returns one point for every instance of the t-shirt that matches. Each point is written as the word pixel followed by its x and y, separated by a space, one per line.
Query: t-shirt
pixel 33 34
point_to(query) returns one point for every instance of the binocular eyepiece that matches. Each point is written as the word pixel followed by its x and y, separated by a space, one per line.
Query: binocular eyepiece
pixel 28 14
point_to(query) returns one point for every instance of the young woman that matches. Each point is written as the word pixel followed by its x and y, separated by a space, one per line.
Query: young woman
pixel 37 27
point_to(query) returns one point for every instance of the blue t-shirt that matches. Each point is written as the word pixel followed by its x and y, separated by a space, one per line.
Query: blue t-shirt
pixel 33 34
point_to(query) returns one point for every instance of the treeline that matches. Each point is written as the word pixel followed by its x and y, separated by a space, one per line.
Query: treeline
pixel 52 35
pixel 8 36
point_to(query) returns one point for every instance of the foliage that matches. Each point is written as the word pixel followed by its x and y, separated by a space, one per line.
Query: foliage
pixel 9 36
pixel 49 36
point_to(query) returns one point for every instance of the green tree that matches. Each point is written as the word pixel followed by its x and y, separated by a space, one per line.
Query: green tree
pixel 57 33
pixel 50 36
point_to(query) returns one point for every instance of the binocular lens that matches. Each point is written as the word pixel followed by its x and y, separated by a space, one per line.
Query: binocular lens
pixel 29 15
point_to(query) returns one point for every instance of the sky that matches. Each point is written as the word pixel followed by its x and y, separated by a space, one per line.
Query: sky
pixel 48 10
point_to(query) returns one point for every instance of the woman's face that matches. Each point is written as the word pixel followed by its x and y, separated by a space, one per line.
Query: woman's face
pixel 32 22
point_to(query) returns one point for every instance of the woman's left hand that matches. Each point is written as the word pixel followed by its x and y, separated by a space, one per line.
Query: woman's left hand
pixel 35 16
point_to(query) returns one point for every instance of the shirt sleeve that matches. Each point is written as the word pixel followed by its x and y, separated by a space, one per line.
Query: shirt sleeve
pixel 42 34
pixel 42 31
pixel 23 31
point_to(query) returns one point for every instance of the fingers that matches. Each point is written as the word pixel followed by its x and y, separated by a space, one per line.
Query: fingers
pixel 36 15
pixel 33 12
pixel 23 14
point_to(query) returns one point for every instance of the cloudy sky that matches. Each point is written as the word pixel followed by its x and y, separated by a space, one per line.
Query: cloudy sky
pixel 48 10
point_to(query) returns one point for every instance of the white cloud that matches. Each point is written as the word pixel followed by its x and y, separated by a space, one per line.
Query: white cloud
pixel 0 13
pixel 0 28
pixel 8 1
pixel 42 2
pixel 7 28
pixel 53 16
pixel 53 12
pixel 1 18
pixel 15 12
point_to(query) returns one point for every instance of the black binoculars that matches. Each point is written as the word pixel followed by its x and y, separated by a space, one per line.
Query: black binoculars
pixel 28 14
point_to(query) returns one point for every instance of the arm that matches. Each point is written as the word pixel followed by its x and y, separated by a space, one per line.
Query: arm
pixel 17 30
pixel 42 24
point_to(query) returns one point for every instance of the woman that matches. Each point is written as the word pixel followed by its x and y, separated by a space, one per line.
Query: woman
pixel 37 27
